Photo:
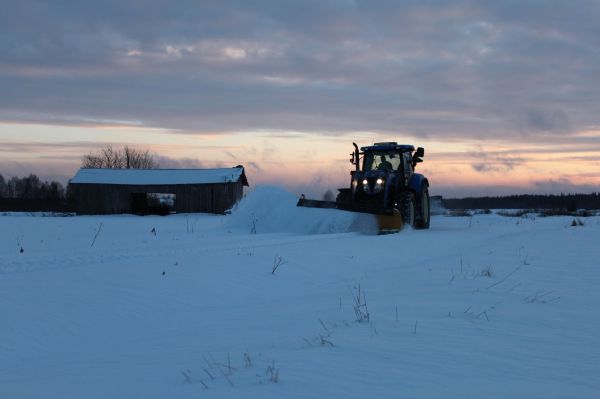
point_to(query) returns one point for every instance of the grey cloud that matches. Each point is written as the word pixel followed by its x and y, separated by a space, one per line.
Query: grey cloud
pixel 483 167
pixel 61 173
pixel 7 146
pixel 493 162
pixel 546 120
pixel 448 70
pixel 564 185
pixel 255 166
pixel 538 187
pixel 165 162
pixel 230 154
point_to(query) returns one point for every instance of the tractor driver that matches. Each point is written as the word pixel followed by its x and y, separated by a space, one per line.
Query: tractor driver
pixel 384 164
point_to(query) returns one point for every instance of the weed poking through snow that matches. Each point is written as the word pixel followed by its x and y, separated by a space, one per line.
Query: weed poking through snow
pixel 541 298
pixel 361 311
pixel 272 372
pixel 278 261
pixel 247 360
pixel 20 243
pixel 98 230
pixel 487 272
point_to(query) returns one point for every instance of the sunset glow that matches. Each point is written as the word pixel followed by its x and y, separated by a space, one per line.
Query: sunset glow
pixel 503 98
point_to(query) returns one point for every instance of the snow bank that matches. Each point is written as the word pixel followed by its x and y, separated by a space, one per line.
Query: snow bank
pixel 269 209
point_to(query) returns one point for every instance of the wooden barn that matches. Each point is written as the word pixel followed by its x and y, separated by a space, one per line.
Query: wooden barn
pixel 143 191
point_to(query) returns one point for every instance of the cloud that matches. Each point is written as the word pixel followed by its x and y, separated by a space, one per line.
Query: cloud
pixel 548 186
pixel 165 162
pixel 545 120
pixel 462 69
pixel 254 167
pixel 562 185
pixel 520 76
pixel 493 161
pixel 46 172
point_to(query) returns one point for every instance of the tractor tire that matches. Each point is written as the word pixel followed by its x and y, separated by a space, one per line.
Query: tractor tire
pixel 424 218
pixel 407 208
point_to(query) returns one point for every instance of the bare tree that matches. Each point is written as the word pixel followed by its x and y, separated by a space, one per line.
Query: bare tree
pixel 112 158
pixel 126 158
pixel 107 158
pixel 138 159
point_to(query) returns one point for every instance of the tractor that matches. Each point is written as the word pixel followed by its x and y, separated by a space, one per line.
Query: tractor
pixel 385 186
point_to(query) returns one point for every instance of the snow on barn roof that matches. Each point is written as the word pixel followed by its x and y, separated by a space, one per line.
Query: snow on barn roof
pixel 159 176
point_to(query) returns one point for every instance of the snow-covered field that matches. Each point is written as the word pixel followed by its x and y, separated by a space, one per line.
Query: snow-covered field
pixel 187 306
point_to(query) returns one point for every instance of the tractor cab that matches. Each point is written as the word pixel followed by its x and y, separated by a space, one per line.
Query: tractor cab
pixel 389 158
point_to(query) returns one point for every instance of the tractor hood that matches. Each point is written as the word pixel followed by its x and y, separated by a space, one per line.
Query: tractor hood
pixel 374 174
pixel 373 181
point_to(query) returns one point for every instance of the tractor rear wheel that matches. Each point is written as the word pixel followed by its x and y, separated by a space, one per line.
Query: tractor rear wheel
pixel 407 207
pixel 422 221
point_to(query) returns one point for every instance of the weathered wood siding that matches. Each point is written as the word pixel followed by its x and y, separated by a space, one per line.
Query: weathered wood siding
pixel 116 198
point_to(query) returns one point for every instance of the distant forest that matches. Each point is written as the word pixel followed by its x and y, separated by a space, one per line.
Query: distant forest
pixel 30 194
pixel 568 202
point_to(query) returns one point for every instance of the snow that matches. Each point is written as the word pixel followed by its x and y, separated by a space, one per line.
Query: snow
pixel 270 209
pixel 157 176
pixel 483 306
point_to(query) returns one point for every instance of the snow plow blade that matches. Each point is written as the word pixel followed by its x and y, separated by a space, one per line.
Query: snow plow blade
pixel 388 220
pixel 389 223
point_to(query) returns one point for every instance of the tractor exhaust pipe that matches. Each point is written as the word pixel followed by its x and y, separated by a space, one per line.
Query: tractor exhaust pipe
pixel 356 157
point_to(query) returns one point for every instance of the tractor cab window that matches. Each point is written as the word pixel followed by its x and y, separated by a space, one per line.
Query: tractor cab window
pixel 382 161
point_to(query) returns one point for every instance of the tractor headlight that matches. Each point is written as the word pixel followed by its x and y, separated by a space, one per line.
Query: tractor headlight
pixel 365 185
pixel 378 185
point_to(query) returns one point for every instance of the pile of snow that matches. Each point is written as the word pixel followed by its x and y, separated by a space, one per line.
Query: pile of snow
pixel 269 209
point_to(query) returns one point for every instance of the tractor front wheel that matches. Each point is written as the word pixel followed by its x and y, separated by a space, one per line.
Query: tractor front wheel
pixel 406 204
pixel 423 221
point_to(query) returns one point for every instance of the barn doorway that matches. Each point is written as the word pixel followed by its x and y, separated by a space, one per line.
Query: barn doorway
pixel 161 203
pixel 139 204
pixel 153 203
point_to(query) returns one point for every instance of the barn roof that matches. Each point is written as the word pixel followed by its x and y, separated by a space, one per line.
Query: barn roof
pixel 159 176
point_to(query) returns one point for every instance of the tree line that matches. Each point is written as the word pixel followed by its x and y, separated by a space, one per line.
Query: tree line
pixel 568 202
pixel 30 187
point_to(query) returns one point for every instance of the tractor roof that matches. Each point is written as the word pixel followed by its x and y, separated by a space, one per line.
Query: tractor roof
pixel 388 146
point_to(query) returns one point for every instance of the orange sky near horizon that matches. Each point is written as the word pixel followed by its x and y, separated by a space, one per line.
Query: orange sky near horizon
pixel 312 163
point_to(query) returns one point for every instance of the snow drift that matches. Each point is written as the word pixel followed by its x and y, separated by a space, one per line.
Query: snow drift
pixel 269 209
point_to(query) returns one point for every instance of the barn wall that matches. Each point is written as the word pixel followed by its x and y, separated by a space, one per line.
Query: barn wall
pixel 190 198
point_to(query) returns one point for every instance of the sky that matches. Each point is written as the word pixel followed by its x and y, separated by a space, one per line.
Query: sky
pixel 503 95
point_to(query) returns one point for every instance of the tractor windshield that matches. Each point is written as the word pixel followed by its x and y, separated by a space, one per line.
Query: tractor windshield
pixel 386 161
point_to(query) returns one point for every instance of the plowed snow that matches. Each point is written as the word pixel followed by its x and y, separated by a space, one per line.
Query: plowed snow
pixel 270 209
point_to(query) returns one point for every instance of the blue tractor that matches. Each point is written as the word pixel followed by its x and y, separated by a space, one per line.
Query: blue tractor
pixel 386 186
